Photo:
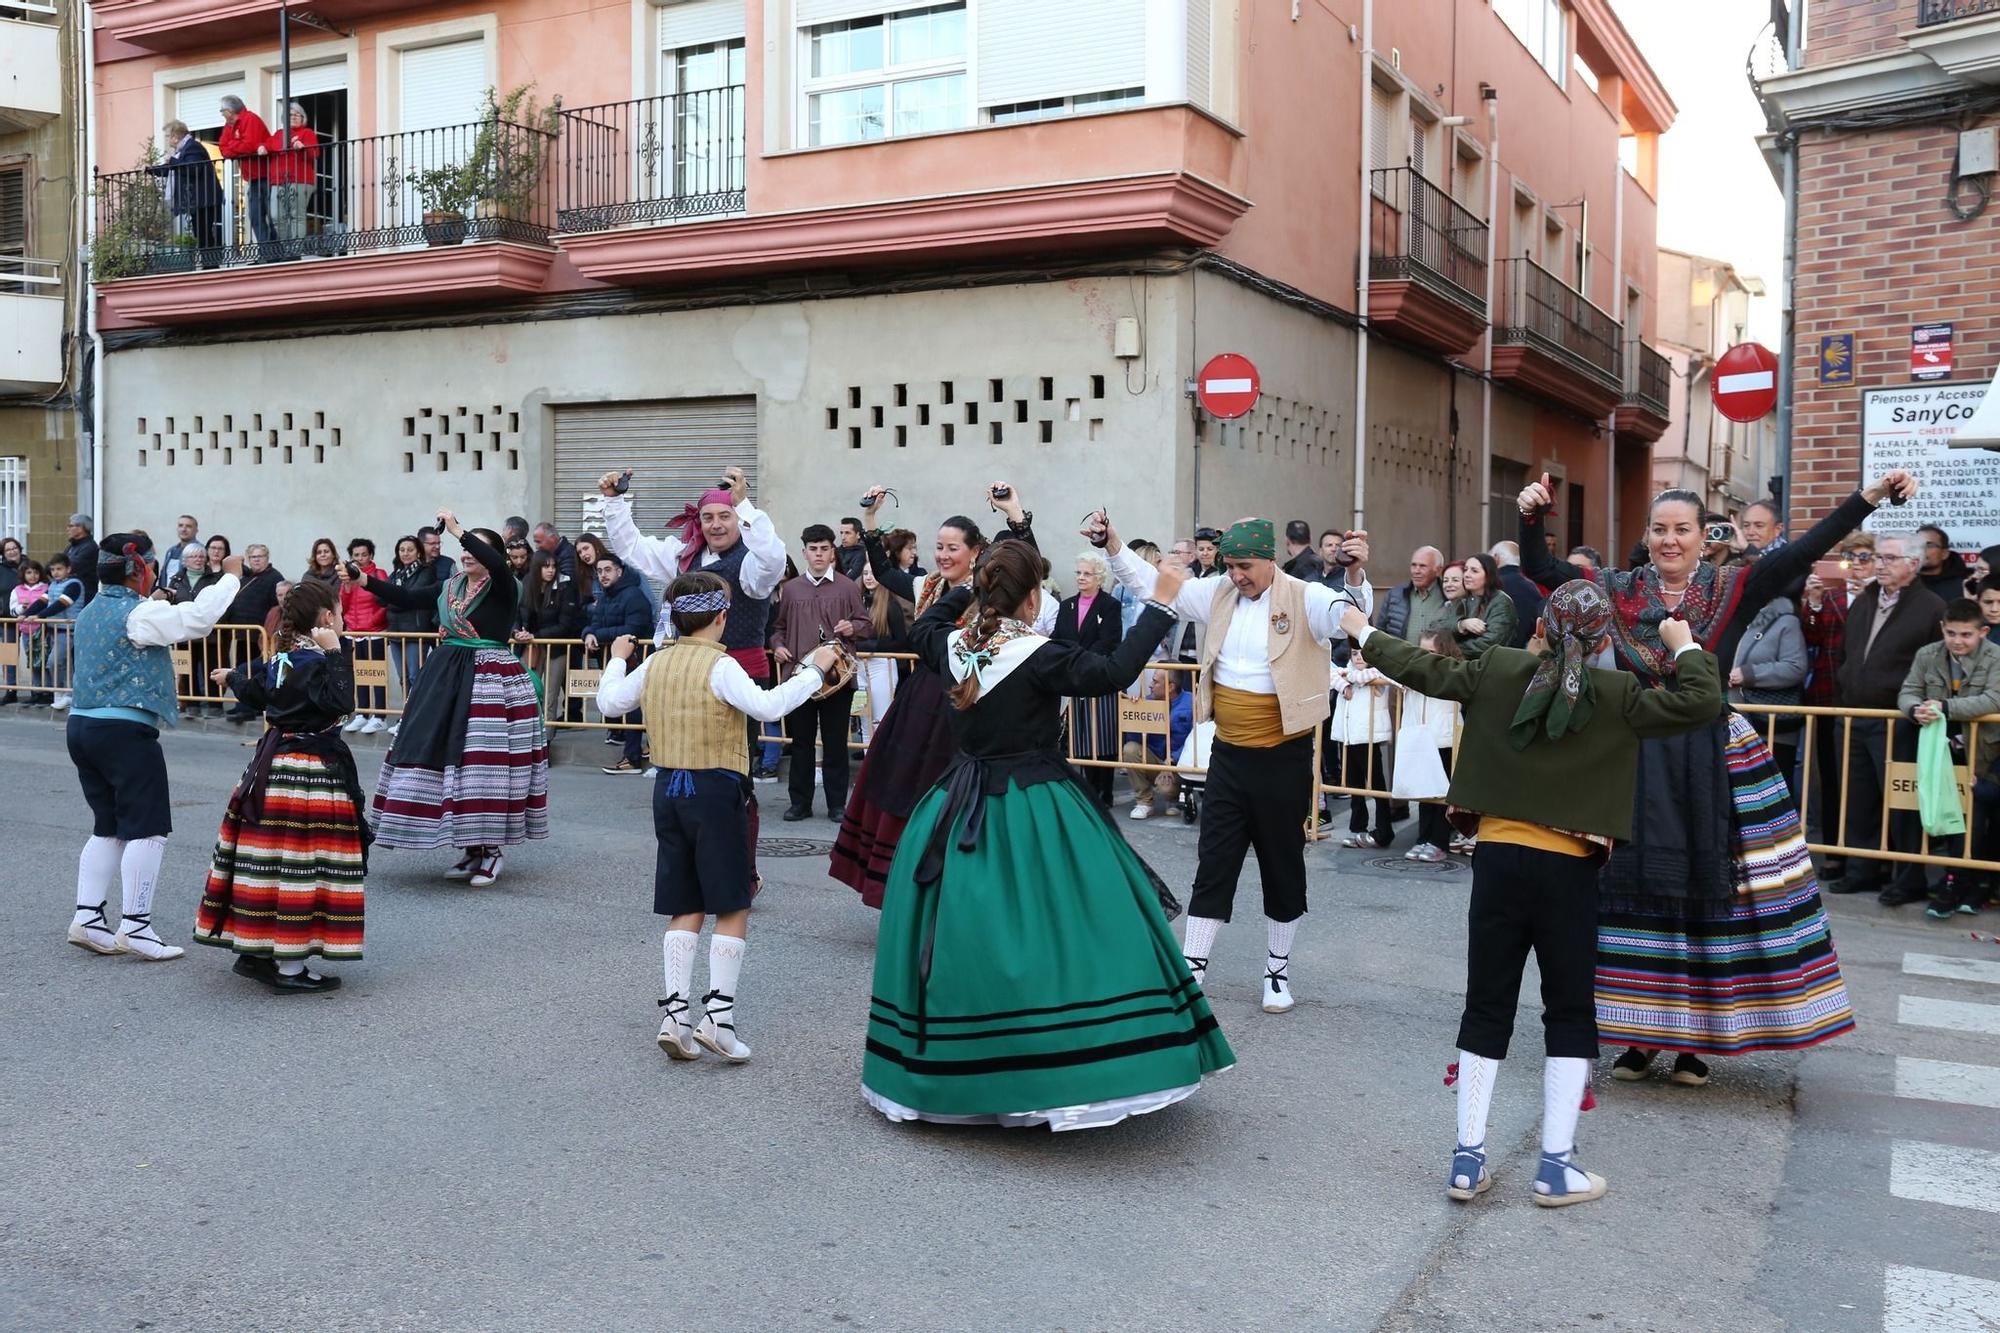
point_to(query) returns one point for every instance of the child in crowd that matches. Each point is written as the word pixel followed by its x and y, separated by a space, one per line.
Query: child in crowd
pixel 1950 684
pixel 695 697
pixel 1432 722
pixel 1359 731
pixel 65 599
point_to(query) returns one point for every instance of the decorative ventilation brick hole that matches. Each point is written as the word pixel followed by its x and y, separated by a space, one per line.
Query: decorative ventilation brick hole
pixel 199 444
pixel 1039 409
pixel 436 433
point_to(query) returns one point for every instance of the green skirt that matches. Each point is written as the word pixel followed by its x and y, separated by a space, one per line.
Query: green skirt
pixel 1056 993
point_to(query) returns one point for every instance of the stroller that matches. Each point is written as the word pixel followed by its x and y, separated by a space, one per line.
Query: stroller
pixel 1194 754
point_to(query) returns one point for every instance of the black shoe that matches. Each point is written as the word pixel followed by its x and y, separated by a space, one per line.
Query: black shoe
pixel 835 813
pixel 1845 886
pixel 1689 1071
pixel 1895 897
pixel 1941 909
pixel 623 768
pixel 1866 884
pixel 1632 1066
pixel 797 812
pixel 1834 867
pixel 9 697
pixel 255 968
pixel 240 715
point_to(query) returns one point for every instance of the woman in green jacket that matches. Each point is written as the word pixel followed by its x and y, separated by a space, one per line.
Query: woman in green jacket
pixel 1486 615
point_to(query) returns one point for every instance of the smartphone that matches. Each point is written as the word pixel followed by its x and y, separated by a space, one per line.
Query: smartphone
pixel 1832 573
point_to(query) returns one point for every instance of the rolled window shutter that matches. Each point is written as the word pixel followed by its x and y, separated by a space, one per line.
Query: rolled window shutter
pixel 1031 50
pixel 701 23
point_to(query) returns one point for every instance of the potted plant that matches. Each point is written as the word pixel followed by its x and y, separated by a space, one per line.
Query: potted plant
pixel 134 222
pixel 443 190
pixel 509 155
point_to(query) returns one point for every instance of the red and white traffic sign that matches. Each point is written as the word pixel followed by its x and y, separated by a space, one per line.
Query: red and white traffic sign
pixel 1745 383
pixel 1228 386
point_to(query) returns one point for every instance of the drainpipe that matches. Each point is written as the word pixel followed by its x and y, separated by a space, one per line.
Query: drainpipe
pixel 1787 339
pixel 86 105
pixel 1361 282
pixel 1491 96
pixel 1612 547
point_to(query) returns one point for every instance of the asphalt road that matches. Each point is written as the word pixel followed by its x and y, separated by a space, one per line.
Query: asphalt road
pixel 478 1131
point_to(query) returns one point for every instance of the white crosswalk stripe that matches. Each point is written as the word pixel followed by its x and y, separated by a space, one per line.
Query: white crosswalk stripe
pixel 1940 1173
pixel 1946 1081
pixel 1917 1300
pixel 1956 1015
pixel 1952 968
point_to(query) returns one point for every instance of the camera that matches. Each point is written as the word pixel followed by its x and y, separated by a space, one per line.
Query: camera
pixel 1721 534
pixel 1003 492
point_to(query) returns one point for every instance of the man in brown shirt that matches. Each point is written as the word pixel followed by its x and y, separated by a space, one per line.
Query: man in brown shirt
pixel 819 605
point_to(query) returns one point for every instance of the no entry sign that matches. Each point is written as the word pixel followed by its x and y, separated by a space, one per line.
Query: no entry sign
pixel 1745 385
pixel 1228 386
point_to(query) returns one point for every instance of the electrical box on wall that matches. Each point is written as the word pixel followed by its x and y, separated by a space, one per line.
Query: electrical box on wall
pixel 1125 339
pixel 1979 152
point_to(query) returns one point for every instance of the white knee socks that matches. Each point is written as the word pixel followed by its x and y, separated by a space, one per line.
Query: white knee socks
pixel 1563 1078
pixel 139 870
pixel 95 869
pixel 677 955
pixel 1279 934
pixel 1200 939
pixel 1476 1076
pixel 725 963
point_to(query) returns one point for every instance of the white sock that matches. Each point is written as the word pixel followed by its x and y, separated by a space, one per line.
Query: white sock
pixel 95 869
pixel 1476 1077
pixel 291 967
pixel 1563 1080
pixel 677 956
pixel 139 870
pixel 725 963
pixel 1200 940
pixel 1280 946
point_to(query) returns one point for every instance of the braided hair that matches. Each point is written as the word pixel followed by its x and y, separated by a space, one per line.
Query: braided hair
pixel 1008 573
pixel 299 613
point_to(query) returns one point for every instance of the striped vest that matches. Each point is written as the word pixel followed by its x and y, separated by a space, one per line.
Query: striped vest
pixel 749 617
pixel 114 672
pixel 687 725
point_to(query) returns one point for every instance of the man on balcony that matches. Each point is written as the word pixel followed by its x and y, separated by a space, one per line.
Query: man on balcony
pixel 193 193
pixel 246 141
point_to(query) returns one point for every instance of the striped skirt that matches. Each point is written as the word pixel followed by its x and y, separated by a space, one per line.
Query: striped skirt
pixel 493 791
pixel 1762 975
pixel 289 885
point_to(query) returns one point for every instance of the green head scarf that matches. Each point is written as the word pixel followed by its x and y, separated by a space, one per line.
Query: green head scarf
pixel 1574 621
pixel 1251 539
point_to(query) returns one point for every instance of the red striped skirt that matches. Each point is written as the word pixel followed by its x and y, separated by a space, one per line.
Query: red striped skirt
pixel 290 884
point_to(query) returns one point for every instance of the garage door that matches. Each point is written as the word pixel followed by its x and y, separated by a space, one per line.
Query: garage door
pixel 676 447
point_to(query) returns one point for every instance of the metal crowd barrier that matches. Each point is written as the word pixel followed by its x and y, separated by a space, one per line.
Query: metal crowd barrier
pixel 35 660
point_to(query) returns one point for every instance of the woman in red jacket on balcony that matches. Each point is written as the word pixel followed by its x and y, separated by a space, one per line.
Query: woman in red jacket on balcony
pixel 291 169
pixel 365 619
pixel 246 141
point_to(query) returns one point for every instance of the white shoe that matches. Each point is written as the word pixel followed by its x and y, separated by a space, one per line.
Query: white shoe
pixel 60 702
pixel 354 724
pixel 489 869
pixel 1427 852
pixel 1142 810
pixel 467 866
pixel 721 1037
pixel 393 730
pixel 137 937
pixel 95 934
pixel 1277 993
pixel 372 725
pixel 676 1037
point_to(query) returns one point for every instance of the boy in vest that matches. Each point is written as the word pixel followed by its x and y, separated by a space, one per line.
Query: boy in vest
pixel 1264 666
pixel 123 697
pixel 1546 768
pixel 695 697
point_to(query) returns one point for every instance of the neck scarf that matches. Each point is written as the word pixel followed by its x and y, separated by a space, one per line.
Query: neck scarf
pixel 1639 605
pixel 688 524
pixel 1559 697
pixel 457 600
pixel 974 655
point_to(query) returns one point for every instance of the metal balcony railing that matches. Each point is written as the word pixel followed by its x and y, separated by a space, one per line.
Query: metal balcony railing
pixel 1540 310
pixel 485 181
pixel 1422 234
pixel 1932 12
pixel 1648 379
pixel 21 276
pixel 655 159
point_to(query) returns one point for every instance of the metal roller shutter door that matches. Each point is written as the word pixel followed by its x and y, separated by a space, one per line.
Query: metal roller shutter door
pixel 677 448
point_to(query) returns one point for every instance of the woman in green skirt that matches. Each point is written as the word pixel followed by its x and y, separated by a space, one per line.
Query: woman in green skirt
pixel 1024 972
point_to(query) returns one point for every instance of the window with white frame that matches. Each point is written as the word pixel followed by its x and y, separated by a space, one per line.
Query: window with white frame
pixel 1539 25
pixel 1050 108
pixel 703 87
pixel 14 498
pixel 890 74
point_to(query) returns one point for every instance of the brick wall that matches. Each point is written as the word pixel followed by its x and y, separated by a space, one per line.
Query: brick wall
pixel 1844 29
pixel 1878 252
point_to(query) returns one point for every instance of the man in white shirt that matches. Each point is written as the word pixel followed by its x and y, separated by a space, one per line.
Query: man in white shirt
pixel 124 696
pixel 1265 668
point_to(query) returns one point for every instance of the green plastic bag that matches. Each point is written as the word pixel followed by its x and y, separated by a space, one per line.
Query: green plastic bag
pixel 1937 783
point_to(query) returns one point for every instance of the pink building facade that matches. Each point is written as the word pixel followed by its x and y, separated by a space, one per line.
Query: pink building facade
pixel 852 241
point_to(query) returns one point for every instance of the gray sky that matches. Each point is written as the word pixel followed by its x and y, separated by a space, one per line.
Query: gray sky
pixel 1716 196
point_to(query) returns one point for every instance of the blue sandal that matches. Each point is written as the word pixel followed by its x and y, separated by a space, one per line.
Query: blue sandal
pixel 1552 1187
pixel 1468 1165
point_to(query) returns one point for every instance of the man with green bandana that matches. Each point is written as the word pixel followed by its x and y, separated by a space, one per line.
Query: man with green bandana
pixel 1265 665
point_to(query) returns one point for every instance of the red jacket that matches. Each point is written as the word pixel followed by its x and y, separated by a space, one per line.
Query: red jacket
pixel 293 166
pixel 241 139
pixel 361 612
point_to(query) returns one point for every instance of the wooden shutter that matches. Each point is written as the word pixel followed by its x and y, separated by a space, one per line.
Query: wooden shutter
pixel 13 210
